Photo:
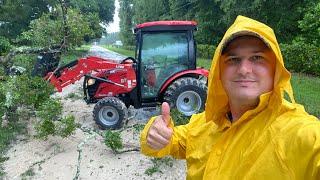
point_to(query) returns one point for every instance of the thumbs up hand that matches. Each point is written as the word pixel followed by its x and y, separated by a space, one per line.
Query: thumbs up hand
pixel 159 134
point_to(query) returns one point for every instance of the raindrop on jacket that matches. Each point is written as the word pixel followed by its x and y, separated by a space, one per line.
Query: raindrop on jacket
pixel 276 140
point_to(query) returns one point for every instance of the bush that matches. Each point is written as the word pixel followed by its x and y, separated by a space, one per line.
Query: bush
pixel 5 45
pixel 51 121
pixel 48 29
pixel 20 93
pixel 113 140
pixel 310 25
pixel 178 117
pixel 205 51
pixel 302 57
pixel 25 61
pixel 66 126
pixel 50 110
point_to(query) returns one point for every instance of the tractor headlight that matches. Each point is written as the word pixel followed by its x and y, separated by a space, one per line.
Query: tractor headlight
pixel 91 82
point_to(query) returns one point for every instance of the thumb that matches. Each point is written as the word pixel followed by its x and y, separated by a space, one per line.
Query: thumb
pixel 165 112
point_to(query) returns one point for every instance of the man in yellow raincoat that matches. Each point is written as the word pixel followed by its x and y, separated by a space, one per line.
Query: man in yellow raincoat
pixel 248 129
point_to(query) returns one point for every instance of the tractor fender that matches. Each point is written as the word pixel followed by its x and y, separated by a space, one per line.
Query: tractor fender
pixel 198 71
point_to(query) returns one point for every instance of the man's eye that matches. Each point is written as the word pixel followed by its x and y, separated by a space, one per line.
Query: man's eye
pixel 257 58
pixel 233 60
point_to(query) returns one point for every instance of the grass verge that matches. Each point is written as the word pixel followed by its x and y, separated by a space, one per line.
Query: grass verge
pixel 120 51
pixel 307 92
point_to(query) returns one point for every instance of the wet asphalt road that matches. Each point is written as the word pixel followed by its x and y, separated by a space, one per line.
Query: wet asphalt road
pixel 105 53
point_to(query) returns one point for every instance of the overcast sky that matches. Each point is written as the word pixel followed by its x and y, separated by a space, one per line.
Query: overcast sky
pixel 114 26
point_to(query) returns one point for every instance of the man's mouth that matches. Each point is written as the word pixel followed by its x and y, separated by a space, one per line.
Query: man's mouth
pixel 244 82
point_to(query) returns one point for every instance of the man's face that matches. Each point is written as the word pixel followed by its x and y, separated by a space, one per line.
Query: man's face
pixel 247 69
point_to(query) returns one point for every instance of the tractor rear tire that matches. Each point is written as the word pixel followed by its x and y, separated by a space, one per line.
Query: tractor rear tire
pixel 187 94
pixel 109 113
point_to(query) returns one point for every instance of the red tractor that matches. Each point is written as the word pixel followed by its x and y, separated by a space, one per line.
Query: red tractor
pixel 164 69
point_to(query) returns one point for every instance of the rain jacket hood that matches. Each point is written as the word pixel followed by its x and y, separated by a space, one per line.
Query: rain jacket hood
pixel 217 100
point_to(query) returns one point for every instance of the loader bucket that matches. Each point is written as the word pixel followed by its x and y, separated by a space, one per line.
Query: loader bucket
pixel 46 62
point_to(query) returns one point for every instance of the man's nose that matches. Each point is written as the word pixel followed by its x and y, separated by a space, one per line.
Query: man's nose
pixel 245 67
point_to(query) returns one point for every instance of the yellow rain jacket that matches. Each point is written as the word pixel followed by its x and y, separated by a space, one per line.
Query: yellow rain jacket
pixel 276 140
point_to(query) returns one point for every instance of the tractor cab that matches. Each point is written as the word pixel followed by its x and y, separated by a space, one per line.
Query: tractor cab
pixel 163 49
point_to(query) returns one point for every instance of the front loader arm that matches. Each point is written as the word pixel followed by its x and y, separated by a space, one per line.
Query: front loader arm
pixel 75 70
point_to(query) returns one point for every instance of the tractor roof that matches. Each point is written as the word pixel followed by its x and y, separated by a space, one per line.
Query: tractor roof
pixel 166 25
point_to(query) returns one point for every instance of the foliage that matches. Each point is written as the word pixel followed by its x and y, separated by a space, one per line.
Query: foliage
pixel 74 54
pixel 48 29
pixel 66 126
pixel 50 110
pixel 94 26
pixel 178 117
pixel 74 96
pixel 113 140
pixel 182 9
pixel 27 174
pixel 45 128
pixel 13 24
pixel 104 9
pixel 302 57
pixel 215 16
pixel 25 61
pixel 151 170
pixel 33 94
pixel 310 25
pixel 51 122
pixel 138 127
pixel 7 135
pixel 157 163
pixel 5 45
pixel 150 10
pixel 205 51
pixel 30 92
pixel 126 24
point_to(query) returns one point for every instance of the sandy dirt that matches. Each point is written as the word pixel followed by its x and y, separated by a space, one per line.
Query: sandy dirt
pixel 84 155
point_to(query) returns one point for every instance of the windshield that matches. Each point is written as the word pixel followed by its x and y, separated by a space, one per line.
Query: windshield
pixel 162 55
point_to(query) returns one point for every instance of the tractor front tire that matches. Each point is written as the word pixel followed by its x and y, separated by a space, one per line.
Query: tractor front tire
pixel 109 113
pixel 187 94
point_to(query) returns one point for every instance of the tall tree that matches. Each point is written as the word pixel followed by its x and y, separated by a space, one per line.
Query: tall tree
pixel 16 15
pixel 211 25
pixel 282 16
pixel 126 25
pixel 104 8
pixel 182 9
pixel 150 10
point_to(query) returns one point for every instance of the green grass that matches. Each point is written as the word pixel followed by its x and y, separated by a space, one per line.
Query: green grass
pixel 75 54
pixel 307 92
pixel 205 63
pixel 120 51
pixel 306 88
